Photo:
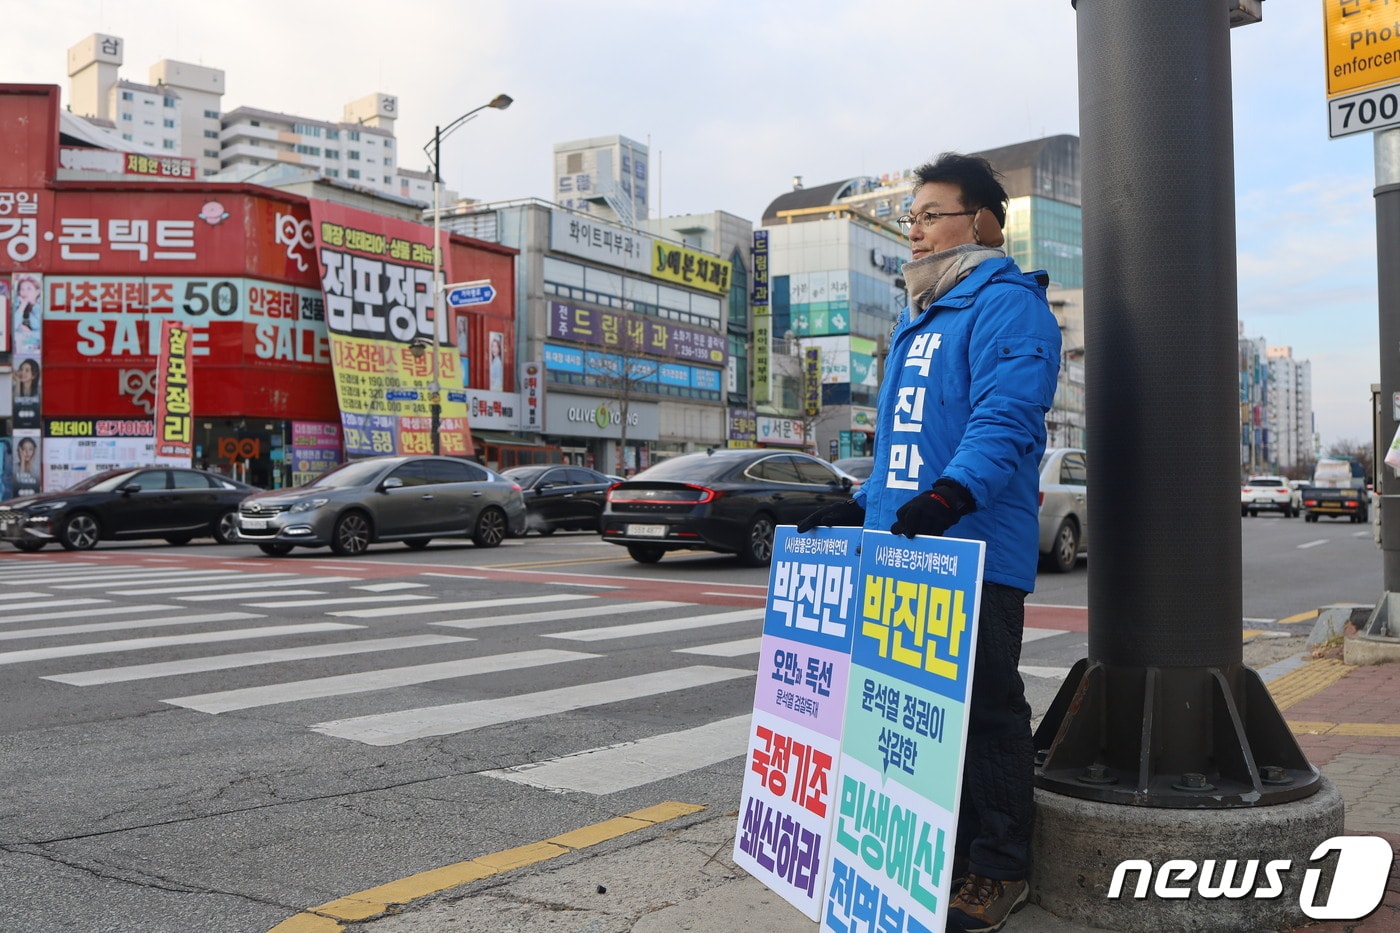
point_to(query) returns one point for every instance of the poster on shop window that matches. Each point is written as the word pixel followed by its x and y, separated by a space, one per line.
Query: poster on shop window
pixel 785 815
pixel 377 279
pixel 899 777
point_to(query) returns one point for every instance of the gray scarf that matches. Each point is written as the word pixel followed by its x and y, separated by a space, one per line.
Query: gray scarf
pixel 933 276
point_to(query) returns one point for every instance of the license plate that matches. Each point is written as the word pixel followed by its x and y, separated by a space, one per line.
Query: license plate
pixel 647 531
pixel 253 524
pixel 4 527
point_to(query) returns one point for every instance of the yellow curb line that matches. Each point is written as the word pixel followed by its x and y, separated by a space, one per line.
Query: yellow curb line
pixel 1354 729
pixel 1300 617
pixel 374 902
pixel 1309 680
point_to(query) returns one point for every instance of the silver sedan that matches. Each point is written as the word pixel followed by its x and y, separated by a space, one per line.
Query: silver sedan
pixel 412 499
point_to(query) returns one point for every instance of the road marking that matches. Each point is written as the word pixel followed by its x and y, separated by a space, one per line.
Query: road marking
pixel 1053 673
pixel 82 614
pixel 625 765
pixel 337 601
pixel 1309 544
pixel 662 625
pixel 733 595
pixel 125 624
pixel 367 681
pixel 165 641
pixel 451 607
pixel 540 564
pixel 229 597
pixel 51 604
pixel 254 583
pixel 562 615
pixel 223 662
pixel 454 718
pixel 1029 635
pixel 726 649
pixel 375 902
pixel 212 576
pixel 389 587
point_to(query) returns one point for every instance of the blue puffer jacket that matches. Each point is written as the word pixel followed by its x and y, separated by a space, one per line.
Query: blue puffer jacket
pixel 966 387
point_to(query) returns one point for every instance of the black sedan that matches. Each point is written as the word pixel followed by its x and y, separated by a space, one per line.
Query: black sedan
pixel 137 502
pixel 559 496
pixel 723 500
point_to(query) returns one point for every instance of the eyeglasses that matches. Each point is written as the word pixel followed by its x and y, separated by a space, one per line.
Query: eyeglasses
pixel 926 218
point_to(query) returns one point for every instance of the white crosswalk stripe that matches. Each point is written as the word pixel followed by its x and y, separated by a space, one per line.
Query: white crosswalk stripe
pixel 258 583
pixel 382 679
pixel 224 662
pixel 165 641
pixel 89 627
pixel 212 576
pixel 82 614
pixel 405 725
pixel 11 606
pixel 560 615
pixel 631 764
pixel 336 601
pixel 726 649
pixel 453 607
pixel 663 625
pixel 105 575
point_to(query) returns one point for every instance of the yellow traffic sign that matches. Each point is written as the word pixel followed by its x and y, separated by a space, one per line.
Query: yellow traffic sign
pixel 1363 44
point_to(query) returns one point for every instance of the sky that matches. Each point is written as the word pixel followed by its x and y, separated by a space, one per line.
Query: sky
pixel 735 98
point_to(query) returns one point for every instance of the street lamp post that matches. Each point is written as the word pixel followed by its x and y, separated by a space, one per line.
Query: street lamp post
pixel 499 102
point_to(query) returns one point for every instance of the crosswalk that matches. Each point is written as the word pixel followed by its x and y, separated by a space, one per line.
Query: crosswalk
pixel 309 647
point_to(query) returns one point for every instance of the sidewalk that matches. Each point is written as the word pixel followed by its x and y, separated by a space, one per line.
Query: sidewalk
pixel 676 873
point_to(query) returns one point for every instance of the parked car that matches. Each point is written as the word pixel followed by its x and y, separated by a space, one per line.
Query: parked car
pixel 560 496
pixel 412 499
pixel 1064 507
pixel 136 502
pixel 1269 494
pixel 857 467
pixel 728 501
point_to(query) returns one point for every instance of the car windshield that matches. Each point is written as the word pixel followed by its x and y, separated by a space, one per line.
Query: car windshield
pixel 526 475
pixel 694 468
pixel 355 473
pixel 1261 481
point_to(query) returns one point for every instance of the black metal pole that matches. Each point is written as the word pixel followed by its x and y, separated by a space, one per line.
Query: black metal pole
pixel 1162 712
pixel 1387 192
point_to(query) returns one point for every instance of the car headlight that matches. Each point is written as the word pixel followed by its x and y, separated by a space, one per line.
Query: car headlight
pixel 306 505
pixel 45 507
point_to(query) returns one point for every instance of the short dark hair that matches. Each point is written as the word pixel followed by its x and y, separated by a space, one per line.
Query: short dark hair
pixel 973 176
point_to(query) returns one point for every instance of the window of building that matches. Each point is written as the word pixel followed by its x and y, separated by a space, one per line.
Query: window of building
pixel 126 136
pixel 168 143
pixel 353 173
pixel 169 123
pixel 388 180
pixel 254 123
pixel 211 114
pixel 573 163
pixel 170 102
pixel 126 117
pixel 211 153
pixel 332 134
pixel 354 135
pixel 332 153
pixel 354 155
pixel 126 95
pixel 332 173
pixel 388 163
pixel 309 150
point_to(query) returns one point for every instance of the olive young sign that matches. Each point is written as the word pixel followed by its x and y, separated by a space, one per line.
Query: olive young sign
pixel 1363 65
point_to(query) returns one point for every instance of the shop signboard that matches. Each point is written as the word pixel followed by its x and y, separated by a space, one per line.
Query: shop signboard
pixel 376 276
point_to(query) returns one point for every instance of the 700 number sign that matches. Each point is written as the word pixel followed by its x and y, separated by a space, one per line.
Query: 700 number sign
pixel 1362 113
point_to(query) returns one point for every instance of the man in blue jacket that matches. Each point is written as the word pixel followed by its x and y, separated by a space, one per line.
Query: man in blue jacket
pixel 960 431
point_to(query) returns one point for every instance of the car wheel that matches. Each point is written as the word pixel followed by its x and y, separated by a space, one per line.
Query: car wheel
pixel 30 546
pixel 545 531
pixel 645 553
pixel 351 535
pixel 226 528
pixel 757 549
pixel 178 540
pixel 417 544
pixel 1244 512
pixel 276 549
pixel 79 533
pixel 1253 513
pixel 1065 552
pixel 490 528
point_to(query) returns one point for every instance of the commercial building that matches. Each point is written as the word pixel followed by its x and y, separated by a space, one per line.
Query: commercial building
pixel 606 176
pixel 623 355
pixel 1290 414
pixel 98 259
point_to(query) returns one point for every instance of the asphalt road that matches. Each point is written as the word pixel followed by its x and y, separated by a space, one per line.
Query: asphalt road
pixel 203 738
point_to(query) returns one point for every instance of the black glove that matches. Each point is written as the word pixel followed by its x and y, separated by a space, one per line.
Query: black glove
pixel 847 512
pixel 932 513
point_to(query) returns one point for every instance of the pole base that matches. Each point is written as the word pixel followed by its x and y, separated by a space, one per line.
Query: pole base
pixel 1078 845
pixel 1178 738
